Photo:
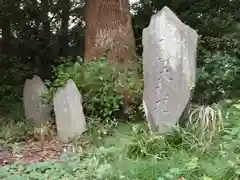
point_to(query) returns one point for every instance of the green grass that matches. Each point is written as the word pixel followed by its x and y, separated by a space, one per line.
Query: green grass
pixel 132 153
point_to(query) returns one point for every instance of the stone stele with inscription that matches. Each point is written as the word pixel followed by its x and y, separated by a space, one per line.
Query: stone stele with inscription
pixel 169 65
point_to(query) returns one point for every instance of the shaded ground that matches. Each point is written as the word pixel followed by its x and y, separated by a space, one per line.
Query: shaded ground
pixel 147 157
pixel 36 151
pixel 32 152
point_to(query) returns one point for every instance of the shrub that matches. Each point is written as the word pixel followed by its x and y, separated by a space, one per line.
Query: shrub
pixel 12 81
pixel 101 87
pixel 218 77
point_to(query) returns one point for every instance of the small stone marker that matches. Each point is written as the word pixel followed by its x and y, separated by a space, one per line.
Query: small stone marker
pixel 169 65
pixel 34 107
pixel 68 110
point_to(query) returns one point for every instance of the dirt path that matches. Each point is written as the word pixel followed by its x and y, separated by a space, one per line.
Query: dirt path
pixel 34 151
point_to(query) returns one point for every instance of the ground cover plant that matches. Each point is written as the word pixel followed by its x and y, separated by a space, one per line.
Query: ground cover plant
pixel 131 152
pixel 206 146
pixel 46 38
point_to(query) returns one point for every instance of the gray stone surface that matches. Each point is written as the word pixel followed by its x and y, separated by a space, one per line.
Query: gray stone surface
pixel 169 64
pixel 34 107
pixel 68 110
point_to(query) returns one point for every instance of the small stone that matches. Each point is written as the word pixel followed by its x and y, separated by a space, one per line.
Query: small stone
pixel 35 108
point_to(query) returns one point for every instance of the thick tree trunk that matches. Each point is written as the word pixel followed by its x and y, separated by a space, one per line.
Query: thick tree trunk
pixel 64 28
pixel 109 31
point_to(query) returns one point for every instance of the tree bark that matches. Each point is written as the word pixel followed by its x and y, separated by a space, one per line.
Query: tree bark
pixel 64 28
pixel 108 31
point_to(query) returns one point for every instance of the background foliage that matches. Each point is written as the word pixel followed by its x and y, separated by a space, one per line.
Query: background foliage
pixel 47 38
pixel 34 35
pixel 101 88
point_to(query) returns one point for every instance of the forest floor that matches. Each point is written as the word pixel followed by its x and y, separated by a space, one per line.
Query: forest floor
pixel 129 152
pixel 15 150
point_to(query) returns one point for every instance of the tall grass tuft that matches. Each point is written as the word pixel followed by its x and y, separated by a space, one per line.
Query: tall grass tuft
pixel 205 122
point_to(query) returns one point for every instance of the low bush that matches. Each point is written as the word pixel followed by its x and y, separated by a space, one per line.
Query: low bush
pixel 12 81
pixel 217 78
pixel 101 88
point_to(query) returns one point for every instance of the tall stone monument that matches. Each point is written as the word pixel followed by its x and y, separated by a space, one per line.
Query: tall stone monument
pixel 169 64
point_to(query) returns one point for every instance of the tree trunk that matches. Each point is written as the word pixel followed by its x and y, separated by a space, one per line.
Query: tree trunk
pixel 108 31
pixel 64 28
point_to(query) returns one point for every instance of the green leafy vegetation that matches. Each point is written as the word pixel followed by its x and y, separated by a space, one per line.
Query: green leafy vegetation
pixel 101 87
pixel 11 91
pixel 147 156
pixel 118 144
pixel 218 78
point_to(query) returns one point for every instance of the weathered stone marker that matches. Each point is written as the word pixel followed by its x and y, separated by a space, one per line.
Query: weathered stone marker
pixel 169 65
pixel 68 110
pixel 34 107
